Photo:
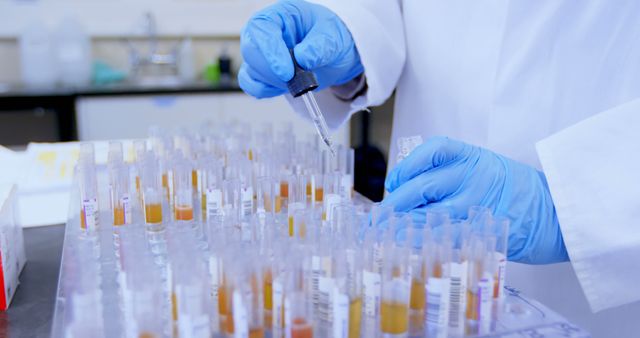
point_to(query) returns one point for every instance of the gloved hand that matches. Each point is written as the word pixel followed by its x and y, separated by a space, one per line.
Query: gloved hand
pixel 321 42
pixel 444 173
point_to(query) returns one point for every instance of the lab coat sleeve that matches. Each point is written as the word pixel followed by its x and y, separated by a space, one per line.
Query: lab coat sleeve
pixel 377 29
pixel 593 170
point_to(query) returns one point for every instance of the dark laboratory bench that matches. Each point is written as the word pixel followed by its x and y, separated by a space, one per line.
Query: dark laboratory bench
pixel 62 101
pixel 31 311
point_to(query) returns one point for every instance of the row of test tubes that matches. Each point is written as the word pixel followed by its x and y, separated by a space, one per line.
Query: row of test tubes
pixel 259 235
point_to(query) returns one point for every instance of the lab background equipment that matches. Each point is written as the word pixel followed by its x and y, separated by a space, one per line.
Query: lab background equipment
pixel 233 232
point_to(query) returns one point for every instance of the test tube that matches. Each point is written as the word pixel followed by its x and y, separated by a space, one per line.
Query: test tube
pixel 89 209
pixel 247 307
pixel 480 287
pixel 396 282
pixel 297 199
pixel 151 193
pixel 331 195
pixel 347 173
pixel 140 148
pixel 437 253
pixel 500 229
pixel 120 198
pixel 211 189
pixel 183 201
pixel 347 294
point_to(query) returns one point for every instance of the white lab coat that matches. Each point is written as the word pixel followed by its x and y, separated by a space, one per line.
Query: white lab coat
pixel 508 75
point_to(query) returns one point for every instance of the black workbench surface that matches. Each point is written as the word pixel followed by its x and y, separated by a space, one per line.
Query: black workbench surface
pixel 31 311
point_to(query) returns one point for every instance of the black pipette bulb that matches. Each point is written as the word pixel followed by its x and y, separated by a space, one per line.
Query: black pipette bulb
pixel 303 81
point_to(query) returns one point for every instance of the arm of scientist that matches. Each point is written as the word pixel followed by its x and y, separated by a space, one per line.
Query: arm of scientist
pixel 584 207
pixel 355 48
pixel 592 169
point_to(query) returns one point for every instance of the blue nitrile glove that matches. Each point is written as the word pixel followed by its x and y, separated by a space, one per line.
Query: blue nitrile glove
pixel 455 175
pixel 320 40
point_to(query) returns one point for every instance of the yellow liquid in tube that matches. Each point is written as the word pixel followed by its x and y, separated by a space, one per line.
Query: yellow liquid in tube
pixel 183 213
pixel 153 213
pixel 394 317
pixel 118 215
pixel 355 317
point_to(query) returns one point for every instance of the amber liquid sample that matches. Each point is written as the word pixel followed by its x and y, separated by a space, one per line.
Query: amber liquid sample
pixel 118 215
pixel 268 290
pixel 394 317
pixel 256 332
pixel 418 294
pixel 355 317
pixel 194 178
pixel 203 206
pixel 138 184
pixel 301 329
pixel 472 305
pixel 319 194
pixel 496 286
pixel 278 204
pixel 284 189
pixel 291 226
pixel 224 309
pixel 146 335
pixel 309 190
pixel 83 219
pixel 153 213
pixel 174 306
pixel 183 213
pixel 250 155
pixel 165 185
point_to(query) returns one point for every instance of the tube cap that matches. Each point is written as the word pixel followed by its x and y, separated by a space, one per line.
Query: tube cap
pixel 303 81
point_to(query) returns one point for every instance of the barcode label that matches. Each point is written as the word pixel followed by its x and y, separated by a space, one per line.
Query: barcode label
pixel 214 272
pixel 371 283
pixel 246 200
pixel 458 297
pixel 126 207
pixel 278 292
pixel 316 271
pixel 378 257
pixel 340 315
pixel 240 321
pixel 90 207
pixel 214 203
pixel 438 298
pixel 485 295
pixel 325 303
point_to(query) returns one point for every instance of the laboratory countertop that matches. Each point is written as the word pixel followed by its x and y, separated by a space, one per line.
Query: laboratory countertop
pixel 18 92
pixel 31 311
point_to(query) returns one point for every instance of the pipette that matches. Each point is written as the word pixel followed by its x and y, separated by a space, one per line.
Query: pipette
pixel 302 84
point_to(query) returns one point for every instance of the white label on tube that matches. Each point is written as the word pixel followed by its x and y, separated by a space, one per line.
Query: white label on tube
pixel 90 207
pixel 331 201
pixel 326 286
pixel 246 201
pixel 371 283
pixel 215 289
pixel 288 321
pixel 438 298
pixel 340 315
pixel 240 321
pixel 346 186
pixel 214 203
pixel 278 292
pixel 170 186
pixel 315 281
pixel 502 268
pixel 485 301
pixel 458 297
pixel 126 207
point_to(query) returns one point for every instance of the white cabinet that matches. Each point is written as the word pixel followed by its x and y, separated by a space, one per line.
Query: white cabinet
pixel 124 117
